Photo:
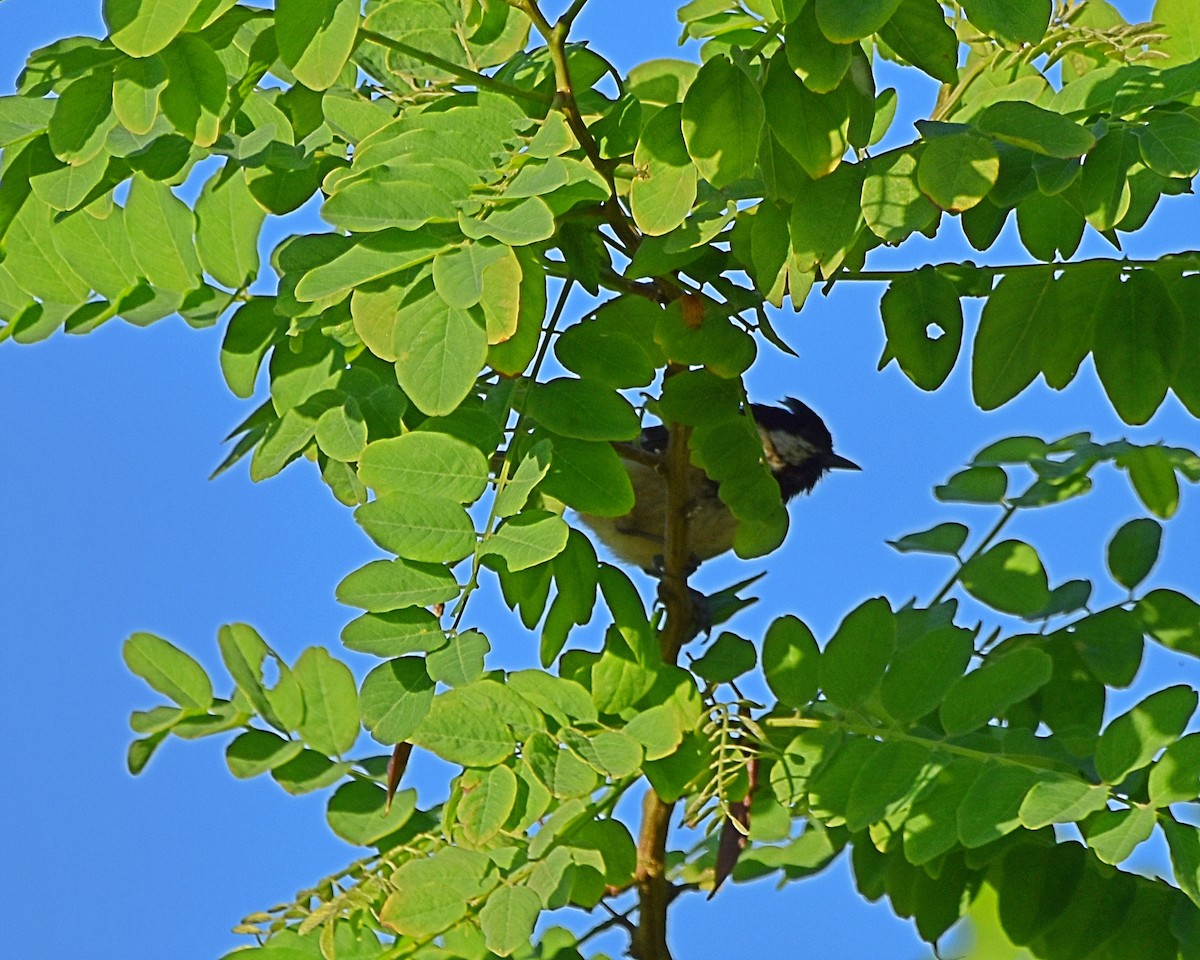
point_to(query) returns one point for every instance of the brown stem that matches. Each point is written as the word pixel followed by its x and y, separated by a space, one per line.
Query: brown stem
pixel 556 42
pixel 654 892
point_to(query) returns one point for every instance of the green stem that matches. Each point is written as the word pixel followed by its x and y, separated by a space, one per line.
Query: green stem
pixel 1009 510
pixel 889 275
pixel 543 348
pixel 465 74
pixel 934 746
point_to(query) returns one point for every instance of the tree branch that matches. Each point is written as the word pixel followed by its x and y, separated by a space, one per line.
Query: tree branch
pixel 556 42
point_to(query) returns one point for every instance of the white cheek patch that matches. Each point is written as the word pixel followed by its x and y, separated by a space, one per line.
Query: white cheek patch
pixel 784 449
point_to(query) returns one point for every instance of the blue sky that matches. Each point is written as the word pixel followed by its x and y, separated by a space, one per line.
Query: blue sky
pixel 109 525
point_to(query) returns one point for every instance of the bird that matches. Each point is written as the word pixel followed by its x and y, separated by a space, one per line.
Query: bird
pixel 797 447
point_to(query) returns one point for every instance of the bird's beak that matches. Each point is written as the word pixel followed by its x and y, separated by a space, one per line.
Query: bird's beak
pixel 831 461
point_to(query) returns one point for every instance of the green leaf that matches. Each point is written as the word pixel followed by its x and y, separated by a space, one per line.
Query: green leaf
pixel 357 812
pixel 618 680
pixel 1043 880
pixel 251 332
pixel 384 585
pixel 1153 477
pixel 141 29
pixel 1181 24
pixel 330 722
pixel 228 220
pixel 507 919
pixel 1082 296
pixel 923 320
pixel 931 828
pixel 1130 741
pixel 1008 577
pixel 1064 800
pixel 791 661
pixel 590 477
pixel 817 60
pixel 727 659
pixel 560 769
pixel 722 120
pixel 855 658
pixel 826 217
pixel 342 431
pixel 813 128
pixel 1013 21
pixel 893 205
pixel 1133 551
pixel 918 32
pixel 1136 345
pixel 888 781
pixel 514 494
pixel 406 196
pixel 424 902
pixel 1110 644
pixel 418 527
pixel 395 698
pixel 457 733
pixel 609 752
pixel 460 661
pixel 140 751
pixel 974 485
pixel 1175 776
pixel 1008 345
pixel 997 685
pixel 990 808
pixel 1105 193
pixel 426 461
pixel 1183 840
pixel 664 189
pixel 308 771
pixel 923 671
pixel 1170 144
pixel 529 538
pixel 411 630
pixel 439 351
pixel 1172 619
pixel 583 410
pixel 488 799
pixel 196 89
pixel 286 699
pixel 945 538
pixel 243 652
pixel 159 227
pixel 137 86
pixel 847 22
pixel 259 751
pixel 1113 834
pixel 83 117
pixel 370 257
pixel 1033 128
pixel 716 342
pixel 168 670
pixel 516 225
pixel 957 171
pixel 315 38
pixel 458 271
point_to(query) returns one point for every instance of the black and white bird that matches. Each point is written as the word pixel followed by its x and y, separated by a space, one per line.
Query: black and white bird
pixel 797 448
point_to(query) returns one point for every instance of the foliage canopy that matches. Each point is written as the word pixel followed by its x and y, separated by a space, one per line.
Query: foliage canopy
pixel 471 180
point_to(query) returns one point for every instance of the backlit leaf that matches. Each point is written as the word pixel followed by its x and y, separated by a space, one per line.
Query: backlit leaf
pixel 721 120
pixel 168 670
pixel 330 722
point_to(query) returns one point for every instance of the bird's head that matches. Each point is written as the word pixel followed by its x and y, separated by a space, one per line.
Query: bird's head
pixel 797 445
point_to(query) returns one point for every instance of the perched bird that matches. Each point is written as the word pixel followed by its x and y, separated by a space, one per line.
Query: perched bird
pixel 797 448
